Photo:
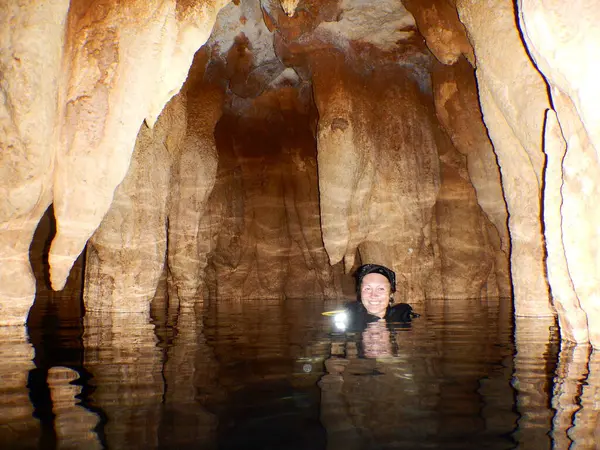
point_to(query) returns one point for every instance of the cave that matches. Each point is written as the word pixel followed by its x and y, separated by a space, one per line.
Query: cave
pixel 160 157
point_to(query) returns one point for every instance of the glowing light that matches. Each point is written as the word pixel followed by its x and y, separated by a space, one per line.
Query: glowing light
pixel 340 321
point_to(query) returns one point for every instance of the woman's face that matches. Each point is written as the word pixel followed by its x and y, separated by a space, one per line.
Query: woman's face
pixel 375 293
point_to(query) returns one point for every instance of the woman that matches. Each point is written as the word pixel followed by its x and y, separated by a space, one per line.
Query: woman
pixel 375 287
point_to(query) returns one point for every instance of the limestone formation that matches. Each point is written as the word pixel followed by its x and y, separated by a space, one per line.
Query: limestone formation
pixel 31 42
pixel 513 99
pixel 122 65
pixel 571 316
pixel 193 178
pixel 78 80
pixel 263 214
pixel 379 178
pixel 457 108
pixel 555 35
pixel 467 260
pixel 125 256
pixel 439 24
pixel 377 188
pixel 355 131
pixel 563 40
pixel 260 235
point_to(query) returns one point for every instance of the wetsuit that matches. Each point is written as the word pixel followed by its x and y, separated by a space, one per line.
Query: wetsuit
pixel 359 317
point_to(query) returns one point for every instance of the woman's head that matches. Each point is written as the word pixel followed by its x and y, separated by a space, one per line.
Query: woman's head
pixel 375 285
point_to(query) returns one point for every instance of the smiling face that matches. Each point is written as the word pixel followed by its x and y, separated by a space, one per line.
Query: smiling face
pixel 375 293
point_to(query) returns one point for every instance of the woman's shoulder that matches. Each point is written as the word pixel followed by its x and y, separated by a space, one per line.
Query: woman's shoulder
pixel 401 312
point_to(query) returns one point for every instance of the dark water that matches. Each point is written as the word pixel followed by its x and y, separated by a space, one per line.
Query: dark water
pixel 278 375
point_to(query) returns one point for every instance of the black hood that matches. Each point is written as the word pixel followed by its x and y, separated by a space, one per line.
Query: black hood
pixel 366 269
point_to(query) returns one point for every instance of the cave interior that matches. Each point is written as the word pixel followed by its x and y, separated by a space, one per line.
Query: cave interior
pixel 194 151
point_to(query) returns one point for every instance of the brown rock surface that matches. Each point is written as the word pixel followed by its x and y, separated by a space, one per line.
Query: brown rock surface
pixel 555 36
pixel 378 170
pixel 467 258
pixel 457 108
pixel 513 99
pixel 116 56
pixel 125 256
pixel 262 218
pixel 356 148
pixel 79 80
pixel 445 35
pixel 193 177
pixel 32 40
pixel 388 216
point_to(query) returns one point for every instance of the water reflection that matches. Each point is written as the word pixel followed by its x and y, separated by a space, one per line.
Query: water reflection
pixel 571 372
pixel 189 373
pixel 60 387
pixel 537 348
pixel 423 386
pixel 120 351
pixel 16 411
pixel 276 374
pixel 269 397
pixel 575 399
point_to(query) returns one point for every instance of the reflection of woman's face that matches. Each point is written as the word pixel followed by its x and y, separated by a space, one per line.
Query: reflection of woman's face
pixel 375 293
pixel 376 340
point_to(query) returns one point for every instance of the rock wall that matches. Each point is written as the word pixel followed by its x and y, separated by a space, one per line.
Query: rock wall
pixel 126 255
pixel 263 217
pixel 390 182
pixel 193 177
pixel 463 232
pixel 32 41
pixel 563 42
pixel 379 147
pixel 78 80
pixel 346 132
pixel 457 108
pixel 128 51
pixel 539 115
pixel 392 188
pixel 378 168
pixel 513 100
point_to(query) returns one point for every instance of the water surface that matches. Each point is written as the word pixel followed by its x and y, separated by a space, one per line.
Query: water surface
pixel 258 374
